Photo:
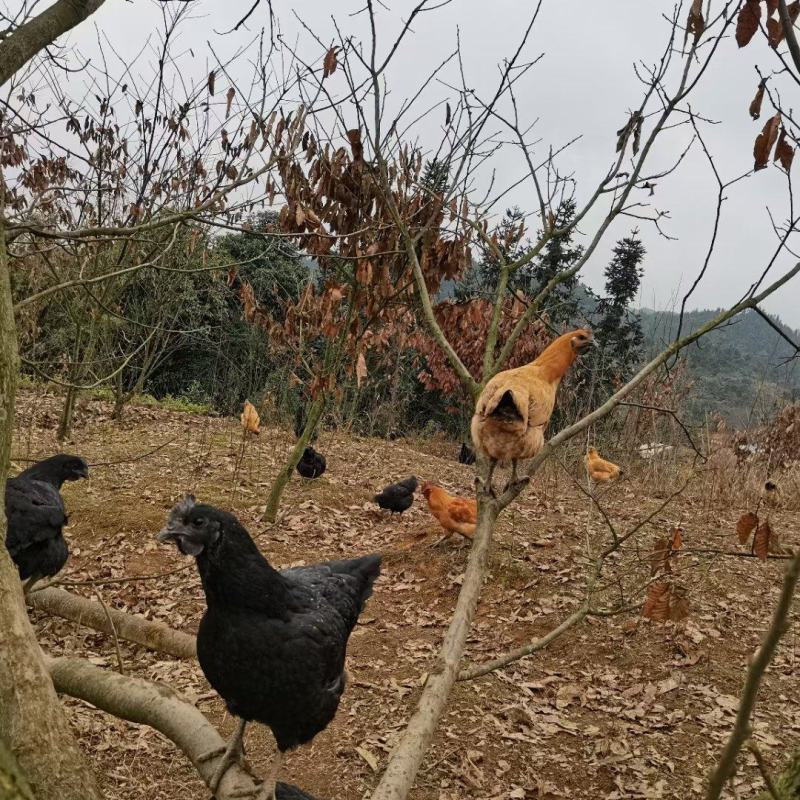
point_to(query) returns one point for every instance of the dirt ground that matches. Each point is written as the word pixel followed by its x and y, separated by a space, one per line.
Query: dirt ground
pixel 612 709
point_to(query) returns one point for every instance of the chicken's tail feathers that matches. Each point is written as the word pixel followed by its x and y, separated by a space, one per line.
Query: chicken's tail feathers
pixel 505 404
pixel 365 569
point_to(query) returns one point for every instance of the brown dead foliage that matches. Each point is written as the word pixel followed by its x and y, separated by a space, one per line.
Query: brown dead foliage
pixel 747 22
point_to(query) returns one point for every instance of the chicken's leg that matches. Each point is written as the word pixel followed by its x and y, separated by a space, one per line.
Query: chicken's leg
pixel 515 480
pixel 269 787
pixel 487 484
pixel 230 754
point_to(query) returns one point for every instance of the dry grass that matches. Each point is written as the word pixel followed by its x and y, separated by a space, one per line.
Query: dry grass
pixel 611 710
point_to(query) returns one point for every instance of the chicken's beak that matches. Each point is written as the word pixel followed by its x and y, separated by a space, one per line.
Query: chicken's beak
pixel 182 538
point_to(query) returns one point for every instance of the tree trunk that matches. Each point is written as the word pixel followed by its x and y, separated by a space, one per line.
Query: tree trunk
pixel 32 721
pixel 13 785
pixel 407 756
pixel 67 414
pixel 285 475
pixel 33 36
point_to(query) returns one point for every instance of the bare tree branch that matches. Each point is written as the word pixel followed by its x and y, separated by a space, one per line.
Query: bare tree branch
pixel 33 36
pixel 133 628
pixel 755 673
pixel 156 705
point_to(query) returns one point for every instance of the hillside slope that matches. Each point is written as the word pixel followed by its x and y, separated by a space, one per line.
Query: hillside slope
pixel 742 371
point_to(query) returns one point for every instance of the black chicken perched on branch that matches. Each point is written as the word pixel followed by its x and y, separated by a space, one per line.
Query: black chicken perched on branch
pixel 36 516
pixel 271 643
pixel 397 497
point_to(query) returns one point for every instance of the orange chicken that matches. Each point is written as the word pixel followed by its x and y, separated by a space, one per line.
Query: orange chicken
pixel 515 406
pixel 600 470
pixel 454 514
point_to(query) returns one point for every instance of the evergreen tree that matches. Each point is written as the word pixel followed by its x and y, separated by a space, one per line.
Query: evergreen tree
pixel 618 330
pixel 559 253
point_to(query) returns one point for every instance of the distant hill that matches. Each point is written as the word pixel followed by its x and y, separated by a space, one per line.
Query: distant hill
pixel 742 371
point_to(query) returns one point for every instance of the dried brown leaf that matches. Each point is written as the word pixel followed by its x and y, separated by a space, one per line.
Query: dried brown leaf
pixel 695 25
pixel 761 541
pixel 755 105
pixel 212 76
pixel 656 605
pixel 659 557
pixel 745 526
pixel 330 63
pixel 361 369
pixel 774 32
pixel 677 539
pixel 354 137
pixel 765 142
pixel 229 100
pixel 747 22
pixel 784 153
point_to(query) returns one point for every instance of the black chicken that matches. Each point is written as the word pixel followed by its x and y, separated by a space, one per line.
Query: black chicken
pixel 271 643
pixel 36 516
pixel 285 791
pixel 397 497
pixel 466 455
pixel 312 464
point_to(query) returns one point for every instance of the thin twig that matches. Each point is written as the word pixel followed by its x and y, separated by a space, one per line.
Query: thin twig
pixel 762 768
pixel 113 631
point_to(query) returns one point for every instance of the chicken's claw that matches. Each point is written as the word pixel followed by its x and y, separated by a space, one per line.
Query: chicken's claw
pixel 485 486
pixel 231 753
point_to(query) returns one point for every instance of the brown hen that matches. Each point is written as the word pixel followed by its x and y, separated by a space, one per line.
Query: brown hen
pixel 515 406
pixel 454 514
pixel 600 470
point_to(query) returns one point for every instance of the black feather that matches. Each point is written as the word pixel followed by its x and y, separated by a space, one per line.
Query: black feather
pixel 312 464
pixel 285 791
pixel 466 455
pixel 36 515
pixel 506 409
pixel 398 497
pixel 271 643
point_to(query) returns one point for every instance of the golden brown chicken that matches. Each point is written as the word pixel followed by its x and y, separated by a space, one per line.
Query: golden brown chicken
pixel 454 514
pixel 515 406
pixel 600 470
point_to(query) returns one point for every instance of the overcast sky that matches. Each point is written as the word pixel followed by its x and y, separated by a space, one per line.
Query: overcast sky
pixel 584 85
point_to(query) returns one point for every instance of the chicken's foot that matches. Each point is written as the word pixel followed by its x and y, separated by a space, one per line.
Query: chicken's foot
pixel 230 754
pixel 30 583
pixel 268 789
pixel 487 484
pixel 515 481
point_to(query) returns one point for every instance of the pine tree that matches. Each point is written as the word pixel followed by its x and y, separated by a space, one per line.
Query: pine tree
pixel 618 329
pixel 561 305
